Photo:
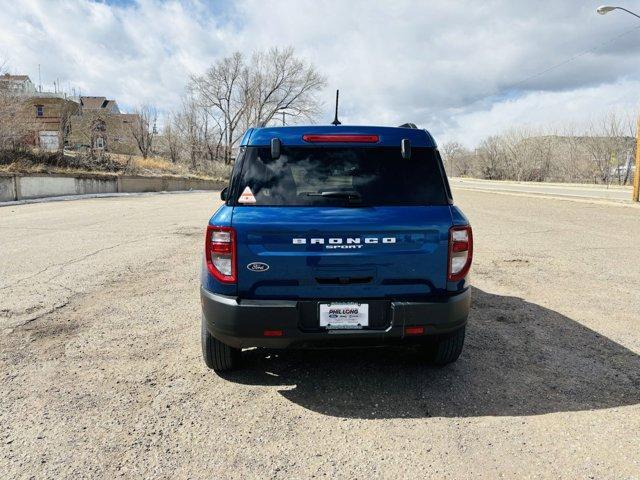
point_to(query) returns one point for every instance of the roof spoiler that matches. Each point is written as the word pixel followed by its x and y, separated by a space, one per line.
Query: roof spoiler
pixel 408 125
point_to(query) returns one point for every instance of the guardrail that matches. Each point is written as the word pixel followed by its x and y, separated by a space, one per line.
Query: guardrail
pixel 15 187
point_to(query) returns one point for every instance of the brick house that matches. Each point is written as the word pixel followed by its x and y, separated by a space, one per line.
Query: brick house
pixel 100 125
pixel 52 118
pixel 46 114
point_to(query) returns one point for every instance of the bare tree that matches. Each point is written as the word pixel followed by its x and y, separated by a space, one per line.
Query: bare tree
pixel 68 109
pixel 171 139
pixel 459 160
pixel 452 151
pixel 234 94
pixel 630 126
pixel 608 143
pixel 15 122
pixel 187 123
pixel 143 128
pixel 223 93
pixel 513 148
pixel 490 158
pixel 527 153
pixel 281 82
pixel 602 154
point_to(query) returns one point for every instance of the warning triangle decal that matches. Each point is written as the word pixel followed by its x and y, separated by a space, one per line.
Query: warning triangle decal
pixel 247 196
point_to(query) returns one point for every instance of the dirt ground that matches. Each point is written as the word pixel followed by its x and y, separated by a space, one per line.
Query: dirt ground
pixel 101 374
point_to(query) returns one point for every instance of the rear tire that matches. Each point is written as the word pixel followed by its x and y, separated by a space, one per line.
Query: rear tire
pixel 446 348
pixel 217 355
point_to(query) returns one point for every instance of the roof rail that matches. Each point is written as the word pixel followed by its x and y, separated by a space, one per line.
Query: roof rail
pixel 408 125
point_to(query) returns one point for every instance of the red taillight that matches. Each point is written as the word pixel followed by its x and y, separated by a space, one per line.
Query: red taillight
pixel 413 330
pixel 273 333
pixel 340 138
pixel 220 251
pixel 460 252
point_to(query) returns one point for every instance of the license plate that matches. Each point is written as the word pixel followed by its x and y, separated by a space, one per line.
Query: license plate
pixel 344 315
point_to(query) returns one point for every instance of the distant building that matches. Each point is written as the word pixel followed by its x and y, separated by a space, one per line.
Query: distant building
pixel 53 114
pixel 99 104
pixel 84 122
pixel 100 125
pixel 18 84
pixel 46 114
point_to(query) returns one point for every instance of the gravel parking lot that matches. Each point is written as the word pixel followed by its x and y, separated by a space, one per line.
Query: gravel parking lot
pixel 101 375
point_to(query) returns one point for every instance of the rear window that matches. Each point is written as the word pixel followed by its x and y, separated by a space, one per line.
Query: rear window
pixel 344 176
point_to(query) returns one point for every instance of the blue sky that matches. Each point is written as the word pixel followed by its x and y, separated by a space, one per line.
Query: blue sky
pixel 463 69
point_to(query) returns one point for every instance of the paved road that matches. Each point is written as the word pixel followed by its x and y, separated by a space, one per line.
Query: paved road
pixel 597 192
pixel 101 376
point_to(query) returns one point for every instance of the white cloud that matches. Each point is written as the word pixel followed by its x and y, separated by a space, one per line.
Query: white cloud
pixel 462 69
pixel 561 111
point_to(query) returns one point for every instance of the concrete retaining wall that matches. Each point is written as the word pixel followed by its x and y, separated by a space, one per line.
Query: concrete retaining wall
pixel 165 184
pixel 43 186
pixel 7 189
pixel 21 187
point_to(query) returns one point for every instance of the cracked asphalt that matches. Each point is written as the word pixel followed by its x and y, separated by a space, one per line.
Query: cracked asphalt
pixel 101 376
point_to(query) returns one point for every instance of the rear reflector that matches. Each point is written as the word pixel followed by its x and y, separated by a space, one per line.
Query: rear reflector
pixel 413 330
pixel 340 138
pixel 273 333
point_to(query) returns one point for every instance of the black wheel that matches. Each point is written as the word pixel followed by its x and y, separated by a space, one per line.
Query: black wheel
pixel 446 348
pixel 217 355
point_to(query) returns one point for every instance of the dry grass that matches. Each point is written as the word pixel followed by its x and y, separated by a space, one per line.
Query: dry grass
pixel 27 168
pixel 135 164
pixel 26 162
pixel 158 165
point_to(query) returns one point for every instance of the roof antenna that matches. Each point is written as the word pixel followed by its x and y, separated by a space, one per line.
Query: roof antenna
pixel 336 122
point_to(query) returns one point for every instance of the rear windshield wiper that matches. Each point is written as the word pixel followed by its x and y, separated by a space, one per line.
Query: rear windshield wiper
pixel 352 196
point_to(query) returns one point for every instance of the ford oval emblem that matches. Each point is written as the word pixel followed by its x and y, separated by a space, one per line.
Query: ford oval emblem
pixel 258 267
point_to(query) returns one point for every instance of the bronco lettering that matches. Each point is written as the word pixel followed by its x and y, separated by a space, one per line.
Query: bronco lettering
pixel 337 242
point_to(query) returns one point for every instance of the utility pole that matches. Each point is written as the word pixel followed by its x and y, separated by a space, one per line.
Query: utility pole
pixel 636 176
pixel 284 114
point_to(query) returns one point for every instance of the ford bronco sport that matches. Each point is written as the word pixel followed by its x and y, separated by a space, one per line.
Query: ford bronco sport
pixel 336 236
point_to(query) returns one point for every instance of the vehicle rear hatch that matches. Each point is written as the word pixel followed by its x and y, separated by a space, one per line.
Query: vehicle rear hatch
pixel 341 253
pixel 341 222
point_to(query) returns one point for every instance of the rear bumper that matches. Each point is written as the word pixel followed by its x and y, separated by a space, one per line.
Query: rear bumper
pixel 241 323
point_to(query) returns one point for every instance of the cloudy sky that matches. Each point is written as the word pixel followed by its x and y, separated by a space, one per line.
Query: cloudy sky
pixel 462 69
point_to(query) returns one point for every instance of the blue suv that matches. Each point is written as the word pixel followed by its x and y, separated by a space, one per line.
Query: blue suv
pixel 336 236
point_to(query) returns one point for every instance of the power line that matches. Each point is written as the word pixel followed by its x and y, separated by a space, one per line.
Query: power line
pixel 575 57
